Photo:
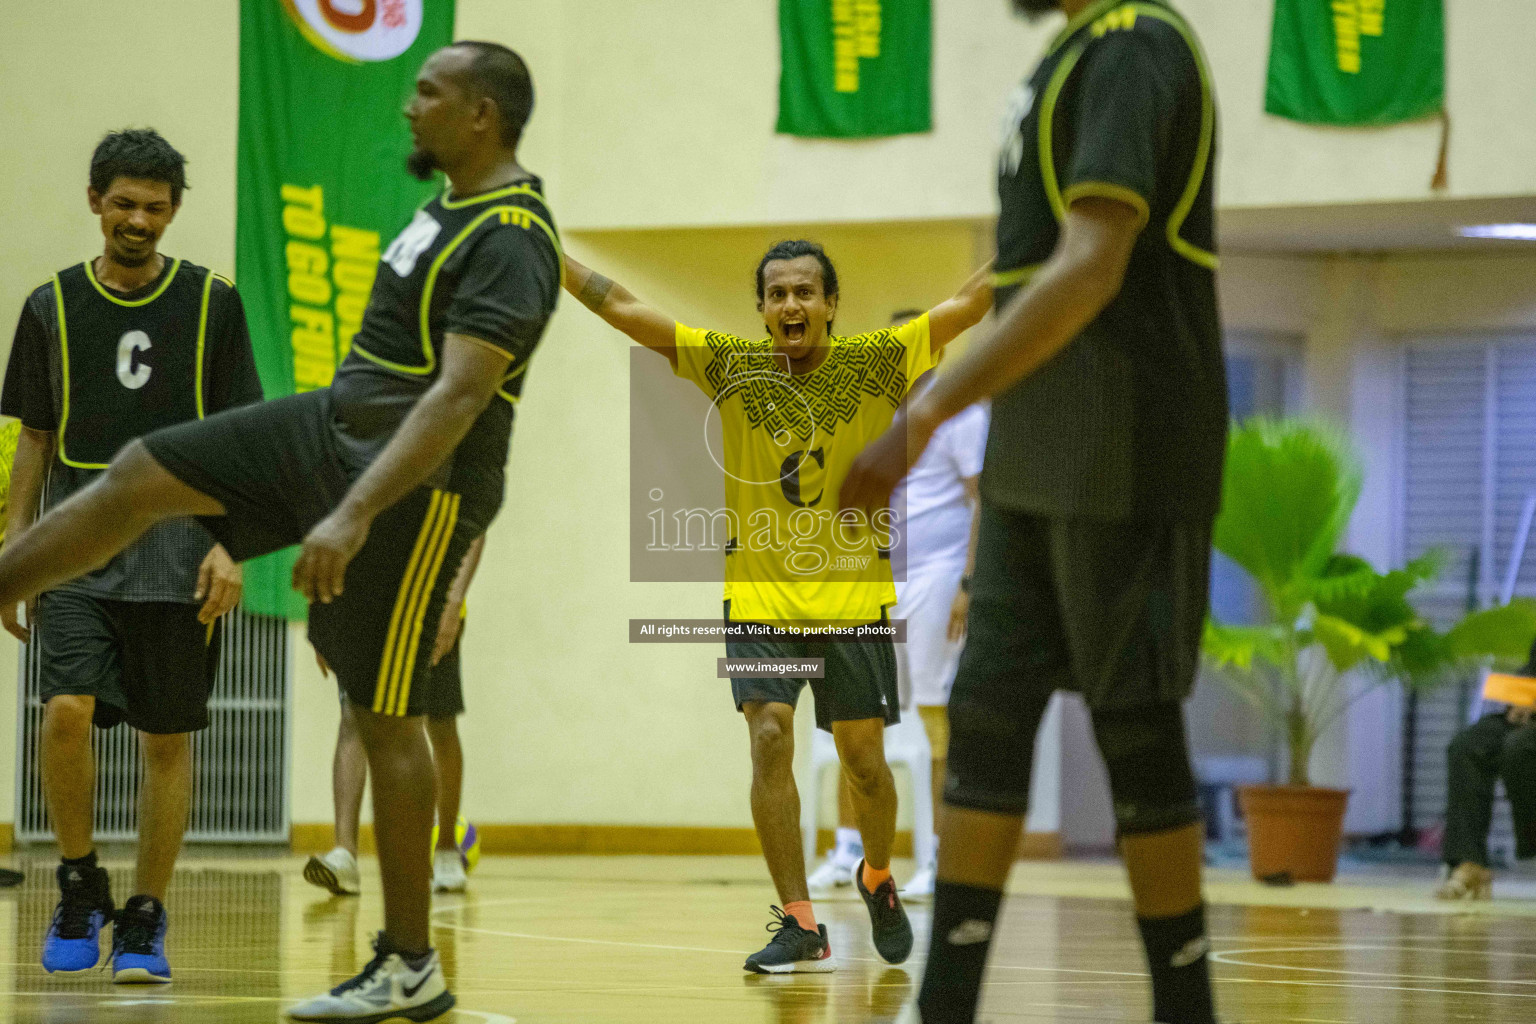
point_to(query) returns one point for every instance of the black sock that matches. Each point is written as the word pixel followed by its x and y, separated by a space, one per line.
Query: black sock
pixel 412 958
pixel 88 861
pixel 963 920
pixel 1181 977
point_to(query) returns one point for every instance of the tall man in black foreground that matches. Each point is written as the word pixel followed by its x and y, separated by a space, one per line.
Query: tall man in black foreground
pixel 1100 485
pixel 108 350
pixel 386 476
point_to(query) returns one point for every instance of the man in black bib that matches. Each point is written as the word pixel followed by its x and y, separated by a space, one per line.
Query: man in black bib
pixel 109 350
pixel 386 476
pixel 1100 485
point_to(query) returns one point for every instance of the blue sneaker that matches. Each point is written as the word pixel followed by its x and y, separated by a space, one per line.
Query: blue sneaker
pixel 73 942
pixel 138 943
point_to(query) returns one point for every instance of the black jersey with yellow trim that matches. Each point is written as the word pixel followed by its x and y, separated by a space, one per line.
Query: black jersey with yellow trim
pixel 487 267
pixel 129 365
pixel 1129 419
pixel 98 367
pixel 1064 138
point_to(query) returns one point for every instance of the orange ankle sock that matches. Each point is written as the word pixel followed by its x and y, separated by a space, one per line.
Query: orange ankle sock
pixel 873 877
pixel 800 910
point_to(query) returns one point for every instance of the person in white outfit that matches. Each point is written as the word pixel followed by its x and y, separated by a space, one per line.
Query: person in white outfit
pixel 932 558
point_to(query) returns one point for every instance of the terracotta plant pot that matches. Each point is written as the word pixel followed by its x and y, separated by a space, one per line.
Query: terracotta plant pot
pixel 1294 829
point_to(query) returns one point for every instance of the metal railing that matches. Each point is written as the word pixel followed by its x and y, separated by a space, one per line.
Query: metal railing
pixel 239 763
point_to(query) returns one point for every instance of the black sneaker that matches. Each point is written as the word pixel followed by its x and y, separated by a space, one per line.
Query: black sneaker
pixel 73 942
pixel 138 943
pixel 794 950
pixel 888 924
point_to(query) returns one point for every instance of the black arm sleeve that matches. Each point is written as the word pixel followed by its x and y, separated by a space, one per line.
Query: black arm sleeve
pixel 28 394
pixel 1122 121
pixel 507 290
pixel 231 373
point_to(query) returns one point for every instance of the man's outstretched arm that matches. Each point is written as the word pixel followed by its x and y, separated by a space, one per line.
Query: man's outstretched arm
pixel 472 370
pixel 619 307
pixel 1083 276
pixel 962 311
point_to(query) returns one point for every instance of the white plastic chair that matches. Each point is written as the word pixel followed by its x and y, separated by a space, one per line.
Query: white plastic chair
pixel 905 744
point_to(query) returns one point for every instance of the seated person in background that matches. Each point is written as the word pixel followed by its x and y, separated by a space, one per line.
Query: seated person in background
pixel 1501 744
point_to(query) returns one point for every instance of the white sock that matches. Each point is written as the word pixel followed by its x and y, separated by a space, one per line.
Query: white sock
pixel 850 845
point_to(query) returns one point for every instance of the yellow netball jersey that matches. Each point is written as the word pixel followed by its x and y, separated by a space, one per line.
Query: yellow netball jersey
pixel 789 442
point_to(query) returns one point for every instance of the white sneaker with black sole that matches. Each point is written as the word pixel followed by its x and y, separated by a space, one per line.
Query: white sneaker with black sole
pixel 836 872
pixel 448 871
pixel 389 988
pixel 830 875
pixel 920 885
pixel 335 871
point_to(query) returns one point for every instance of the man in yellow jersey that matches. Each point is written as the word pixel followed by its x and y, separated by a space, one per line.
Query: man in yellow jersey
pixel 796 407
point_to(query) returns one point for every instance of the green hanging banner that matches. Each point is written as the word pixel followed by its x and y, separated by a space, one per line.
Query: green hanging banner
pixel 854 69
pixel 1356 62
pixel 322 184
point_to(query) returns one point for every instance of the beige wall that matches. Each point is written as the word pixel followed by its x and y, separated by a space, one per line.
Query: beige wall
pixel 667 113
pixel 1268 161
pixel 660 115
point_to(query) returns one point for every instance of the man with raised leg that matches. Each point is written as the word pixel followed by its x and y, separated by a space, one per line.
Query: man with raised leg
pixel 385 477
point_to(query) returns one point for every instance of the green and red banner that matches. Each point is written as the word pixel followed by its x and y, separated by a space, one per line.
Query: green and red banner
pixel 1356 62
pixel 855 68
pixel 322 187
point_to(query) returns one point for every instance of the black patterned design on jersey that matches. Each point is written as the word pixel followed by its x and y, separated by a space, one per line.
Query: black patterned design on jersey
pixel 866 366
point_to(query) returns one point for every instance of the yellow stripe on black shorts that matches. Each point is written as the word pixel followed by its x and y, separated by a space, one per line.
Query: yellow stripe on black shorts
pixel 392 690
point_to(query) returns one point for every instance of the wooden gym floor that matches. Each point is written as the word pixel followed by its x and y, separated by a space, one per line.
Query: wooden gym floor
pixel 624 940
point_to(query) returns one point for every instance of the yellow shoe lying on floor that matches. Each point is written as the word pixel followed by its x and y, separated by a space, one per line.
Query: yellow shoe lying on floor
pixel 1468 882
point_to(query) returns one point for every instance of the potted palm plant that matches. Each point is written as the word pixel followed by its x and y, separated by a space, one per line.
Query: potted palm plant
pixel 1331 619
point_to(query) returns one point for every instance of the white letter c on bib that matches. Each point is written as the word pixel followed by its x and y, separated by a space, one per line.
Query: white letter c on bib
pixel 133 377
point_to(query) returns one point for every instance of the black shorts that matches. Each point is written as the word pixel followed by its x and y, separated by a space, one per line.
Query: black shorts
pixel 150 664
pixel 859 677
pixel 275 469
pixel 445 696
pixel 272 465
pixel 445 699
pixel 1111 609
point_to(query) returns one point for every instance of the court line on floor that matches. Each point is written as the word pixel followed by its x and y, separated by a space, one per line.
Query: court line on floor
pixel 1066 970
pixel 1228 957
pixel 192 1000
pixel 1359 986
